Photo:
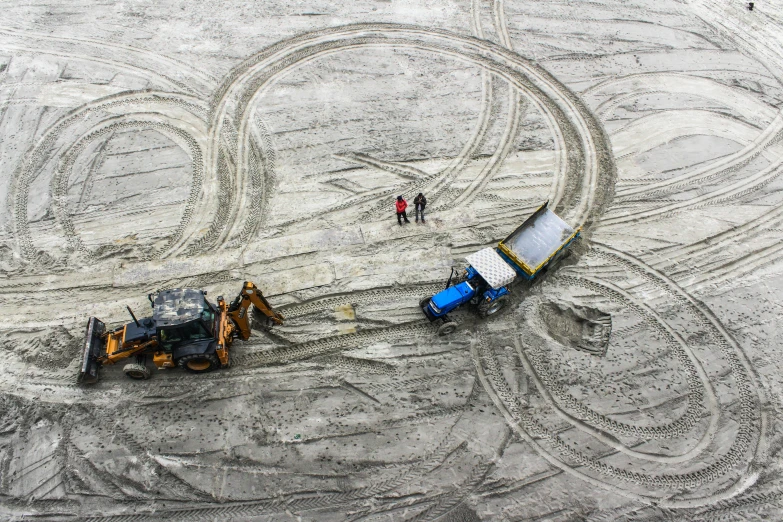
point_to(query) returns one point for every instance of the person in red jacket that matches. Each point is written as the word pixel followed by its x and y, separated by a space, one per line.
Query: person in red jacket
pixel 401 205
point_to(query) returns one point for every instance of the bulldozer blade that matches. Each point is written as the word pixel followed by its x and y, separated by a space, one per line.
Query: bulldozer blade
pixel 94 349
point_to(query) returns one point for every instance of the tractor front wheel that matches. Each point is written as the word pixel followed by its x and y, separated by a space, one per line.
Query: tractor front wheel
pixel 199 363
pixel 138 372
pixel 447 328
pixel 488 308
pixel 424 302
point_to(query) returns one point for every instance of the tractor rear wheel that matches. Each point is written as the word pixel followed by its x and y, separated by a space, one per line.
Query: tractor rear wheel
pixel 447 328
pixel 199 362
pixel 136 371
pixel 486 309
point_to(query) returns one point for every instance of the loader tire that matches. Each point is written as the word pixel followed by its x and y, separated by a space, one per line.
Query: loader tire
pixel 487 309
pixel 136 371
pixel 199 362
pixel 447 328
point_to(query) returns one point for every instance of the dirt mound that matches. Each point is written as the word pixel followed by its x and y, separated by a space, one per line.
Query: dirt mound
pixel 53 349
pixel 581 327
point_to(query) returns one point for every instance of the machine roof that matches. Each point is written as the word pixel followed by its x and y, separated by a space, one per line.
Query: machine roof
pixel 178 306
pixel 492 267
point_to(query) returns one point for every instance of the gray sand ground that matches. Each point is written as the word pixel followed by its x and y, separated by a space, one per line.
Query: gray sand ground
pixel 149 145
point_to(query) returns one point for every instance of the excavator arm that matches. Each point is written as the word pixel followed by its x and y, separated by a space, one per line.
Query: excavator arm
pixel 237 312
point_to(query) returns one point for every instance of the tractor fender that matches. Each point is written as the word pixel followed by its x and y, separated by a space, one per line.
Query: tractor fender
pixel 492 294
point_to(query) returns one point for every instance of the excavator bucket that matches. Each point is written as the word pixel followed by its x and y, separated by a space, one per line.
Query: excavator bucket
pixel 94 348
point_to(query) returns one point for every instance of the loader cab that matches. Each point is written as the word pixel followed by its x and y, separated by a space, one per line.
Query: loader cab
pixel 170 337
pixel 183 317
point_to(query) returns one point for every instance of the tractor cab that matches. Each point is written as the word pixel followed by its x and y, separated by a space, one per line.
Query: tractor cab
pixel 450 298
pixel 485 285
pixel 182 318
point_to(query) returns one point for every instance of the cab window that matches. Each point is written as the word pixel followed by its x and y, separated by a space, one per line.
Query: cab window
pixel 172 336
pixel 208 317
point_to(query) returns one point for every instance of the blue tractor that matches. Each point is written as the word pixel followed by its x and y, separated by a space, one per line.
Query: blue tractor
pixel 531 250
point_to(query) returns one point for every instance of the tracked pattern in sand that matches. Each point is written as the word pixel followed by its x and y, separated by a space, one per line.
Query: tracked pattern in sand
pixel 639 382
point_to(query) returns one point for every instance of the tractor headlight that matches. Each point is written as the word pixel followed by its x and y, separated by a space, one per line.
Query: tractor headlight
pixel 434 308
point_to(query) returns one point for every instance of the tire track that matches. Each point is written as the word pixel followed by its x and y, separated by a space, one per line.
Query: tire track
pixel 756 503
pixel 194 75
pixel 736 190
pixel 449 502
pixel 296 500
pixel 588 420
pixel 530 430
pixel 328 345
pixel 305 501
pixel 359 365
pixel 328 303
pixel 248 364
pixel 60 180
pixel 415 382
pixel 507 139
pixel 174 85
pixel 746 32
pixel 493 165
pixel 695 377
pixel 673 256
pixel 748 434
pixel 636 85
pixel 736 268
pixel 96 163
pixel 183 116
pixel 182 489
pixel 654 130
pixel 719 169
pixel 248 81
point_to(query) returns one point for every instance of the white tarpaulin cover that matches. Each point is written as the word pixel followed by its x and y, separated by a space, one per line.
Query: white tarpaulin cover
pixel 492 268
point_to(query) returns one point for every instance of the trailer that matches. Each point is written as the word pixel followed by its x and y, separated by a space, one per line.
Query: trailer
pixel 526 254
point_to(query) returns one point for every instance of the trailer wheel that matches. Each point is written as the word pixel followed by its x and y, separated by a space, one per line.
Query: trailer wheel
pixel 199 362
pixel 447 328
pixel 424 302
pixel 136 371
pixel 486 309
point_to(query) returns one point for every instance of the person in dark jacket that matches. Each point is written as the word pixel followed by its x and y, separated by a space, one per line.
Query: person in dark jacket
pixel 419 203
pixel 401 205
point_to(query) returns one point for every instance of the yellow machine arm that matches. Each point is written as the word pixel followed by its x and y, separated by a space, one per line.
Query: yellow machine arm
pixel 250 294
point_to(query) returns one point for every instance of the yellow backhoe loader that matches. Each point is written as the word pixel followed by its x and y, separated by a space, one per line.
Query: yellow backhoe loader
pixel 185 330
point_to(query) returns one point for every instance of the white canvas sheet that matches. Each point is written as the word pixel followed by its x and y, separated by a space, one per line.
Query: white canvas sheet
pixel 492 268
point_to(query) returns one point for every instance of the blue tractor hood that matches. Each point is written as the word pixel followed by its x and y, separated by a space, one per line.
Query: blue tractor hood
pixel 452 297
